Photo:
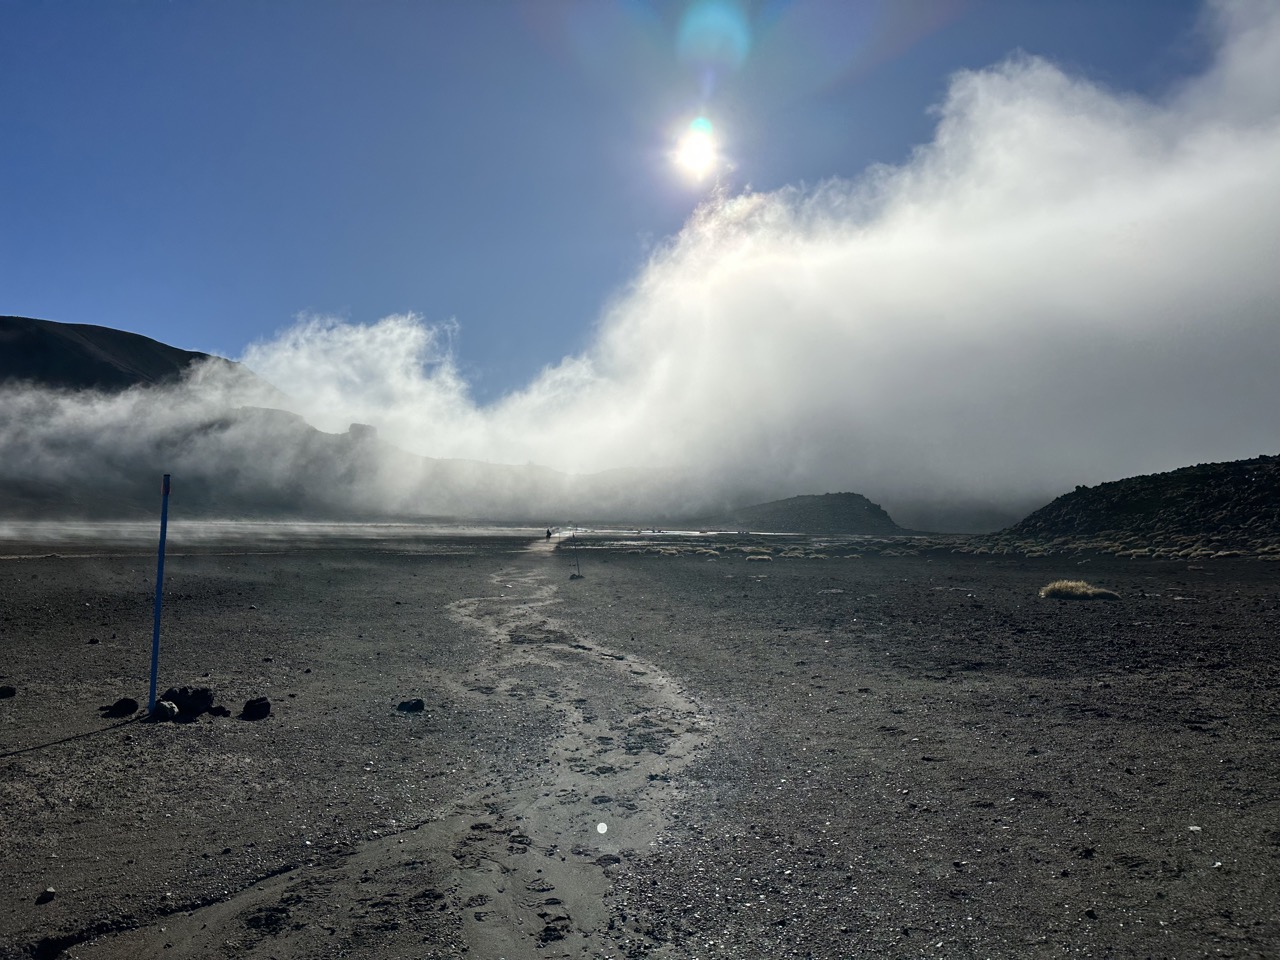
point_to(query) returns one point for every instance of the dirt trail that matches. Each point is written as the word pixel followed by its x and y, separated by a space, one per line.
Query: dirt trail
pixel 625 730
pixel 520 869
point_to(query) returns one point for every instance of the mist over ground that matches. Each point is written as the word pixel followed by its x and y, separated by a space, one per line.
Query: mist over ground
pixel 1066 285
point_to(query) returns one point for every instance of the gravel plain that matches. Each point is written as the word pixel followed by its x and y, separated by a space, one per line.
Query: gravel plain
pixel 820 752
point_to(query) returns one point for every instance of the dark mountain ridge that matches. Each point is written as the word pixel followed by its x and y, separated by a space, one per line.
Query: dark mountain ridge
pixel 80 356
pixel 828 514
pixel 1209 509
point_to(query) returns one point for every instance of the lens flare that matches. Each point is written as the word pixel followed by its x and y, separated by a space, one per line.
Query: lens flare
pixel 696 152
pixel 714 34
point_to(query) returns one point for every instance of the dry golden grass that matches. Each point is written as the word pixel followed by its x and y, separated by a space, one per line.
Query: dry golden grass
pixel 1077 590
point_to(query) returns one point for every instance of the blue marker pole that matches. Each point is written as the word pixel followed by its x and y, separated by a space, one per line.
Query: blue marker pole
pixel 155 632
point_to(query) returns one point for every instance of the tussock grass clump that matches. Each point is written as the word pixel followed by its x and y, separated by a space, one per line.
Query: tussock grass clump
pixel 1077 590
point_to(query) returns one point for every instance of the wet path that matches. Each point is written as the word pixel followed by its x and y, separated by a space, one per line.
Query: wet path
pixel 601 792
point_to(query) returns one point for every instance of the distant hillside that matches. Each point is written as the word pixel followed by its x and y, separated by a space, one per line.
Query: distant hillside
pixel 77 356
pixel 828 514
pixel 1207 509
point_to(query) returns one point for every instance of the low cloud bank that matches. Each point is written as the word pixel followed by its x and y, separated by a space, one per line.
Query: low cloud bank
pixel 1067 285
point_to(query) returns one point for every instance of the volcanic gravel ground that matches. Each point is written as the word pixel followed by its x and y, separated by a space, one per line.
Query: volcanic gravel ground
pixel 890 756
pixel 927 759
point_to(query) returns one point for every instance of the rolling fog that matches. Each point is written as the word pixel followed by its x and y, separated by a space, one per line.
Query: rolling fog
pixel 1066 285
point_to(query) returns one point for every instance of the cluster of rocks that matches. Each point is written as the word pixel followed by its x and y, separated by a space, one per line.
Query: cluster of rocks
pixel 185 704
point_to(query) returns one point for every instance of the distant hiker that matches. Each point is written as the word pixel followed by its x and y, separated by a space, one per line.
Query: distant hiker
pixel 548 533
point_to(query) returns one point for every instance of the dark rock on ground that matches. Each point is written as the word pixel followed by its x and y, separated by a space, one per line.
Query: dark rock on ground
pixel 258 708
pixel 7 691
pixel 416 705
pixel 124 707
pixel 164 710
pixel 190 701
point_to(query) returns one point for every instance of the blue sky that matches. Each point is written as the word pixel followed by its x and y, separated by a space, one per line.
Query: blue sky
pixel 204 171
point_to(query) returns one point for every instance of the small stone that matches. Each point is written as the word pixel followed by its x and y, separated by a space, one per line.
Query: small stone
pixel 7 691
pixel 416 705
pixel 48 895
pixel 164 710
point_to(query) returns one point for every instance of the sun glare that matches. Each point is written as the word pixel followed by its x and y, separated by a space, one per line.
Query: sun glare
pixel 696 152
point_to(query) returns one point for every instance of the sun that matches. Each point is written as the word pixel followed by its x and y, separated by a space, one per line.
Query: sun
pixel 696 152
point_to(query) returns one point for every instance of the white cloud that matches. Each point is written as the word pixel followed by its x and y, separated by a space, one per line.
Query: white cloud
pixel 1068 284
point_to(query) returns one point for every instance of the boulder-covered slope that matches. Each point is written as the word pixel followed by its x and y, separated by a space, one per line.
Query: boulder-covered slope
pixel 1205 510
pixel 79 356
pixel 828 514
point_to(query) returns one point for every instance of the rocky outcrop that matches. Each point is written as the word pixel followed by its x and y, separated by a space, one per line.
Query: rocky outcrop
pixel 830 514
pixel 1208 510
